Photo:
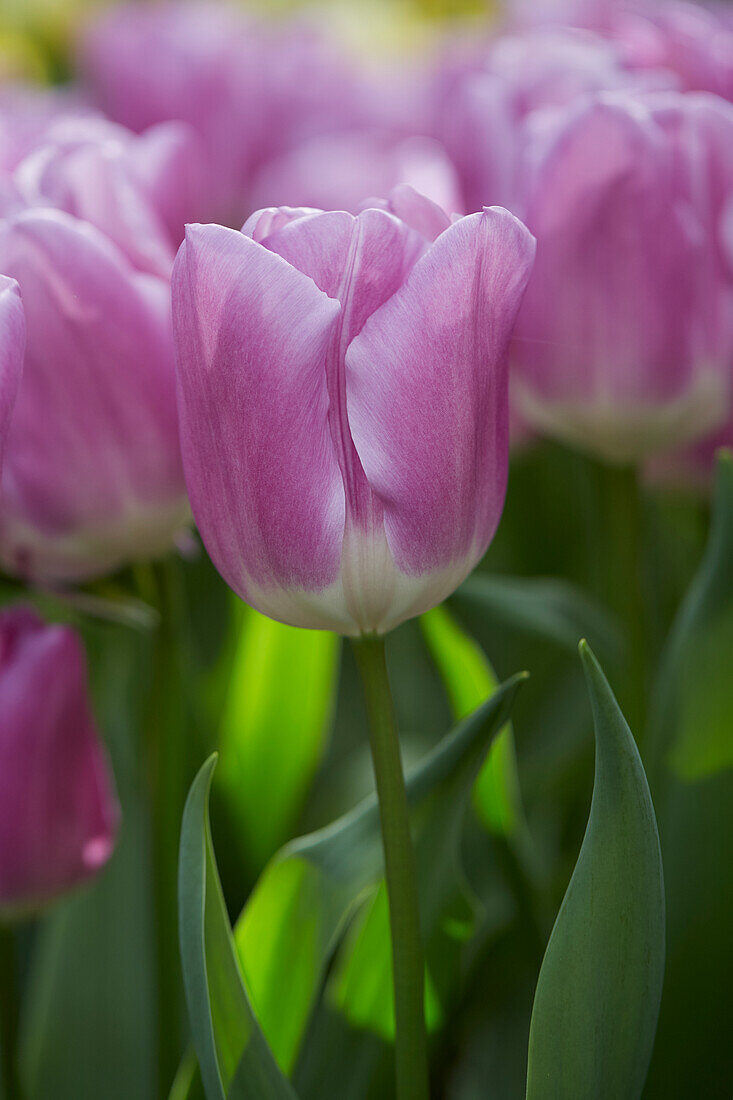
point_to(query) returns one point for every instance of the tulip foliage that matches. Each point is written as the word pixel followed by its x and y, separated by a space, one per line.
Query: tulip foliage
pixel 366 536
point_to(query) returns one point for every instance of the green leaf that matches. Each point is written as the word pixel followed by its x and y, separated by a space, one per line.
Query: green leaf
pixel 316 882
pixel 275 725
pixel 551 609
pixel 469 680
pixel 691 748
pixel 235 1060
pixel 597 998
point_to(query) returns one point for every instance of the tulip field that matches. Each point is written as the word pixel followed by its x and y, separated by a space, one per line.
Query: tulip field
pixel 366 550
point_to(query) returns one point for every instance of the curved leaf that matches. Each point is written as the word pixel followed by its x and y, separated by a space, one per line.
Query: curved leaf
pixel 597 998
pixel 469 680
pixel 691 745
pixel 316 881
pixel 551 609
pixel 236 1062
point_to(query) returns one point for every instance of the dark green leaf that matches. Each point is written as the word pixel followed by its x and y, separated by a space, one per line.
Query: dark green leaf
pixel 691 746
pixel 236 1062
pixel 597 998
pixel 551 609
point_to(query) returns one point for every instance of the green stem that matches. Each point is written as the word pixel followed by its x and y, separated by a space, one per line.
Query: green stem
pixel 400 872
pixel 9 1014
pixel 167 722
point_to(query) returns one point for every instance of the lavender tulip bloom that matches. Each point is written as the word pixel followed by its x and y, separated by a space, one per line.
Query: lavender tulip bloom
pixel 339 171
pixel 12 346
pixel 484 103
pixel 58 810
pixel 249 90
pixel 623 339
pixel 139 190
pixel 92 477
pixel 343 404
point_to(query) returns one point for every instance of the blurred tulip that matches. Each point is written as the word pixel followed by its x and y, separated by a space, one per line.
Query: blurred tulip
pixel 12 346
pixel 58 810
pixel 139 190
pixel 339 171
pixel 624 337
pixel 27 112
pixel 92 476
pixel 250 91
pixel 484 99
pixel 343 403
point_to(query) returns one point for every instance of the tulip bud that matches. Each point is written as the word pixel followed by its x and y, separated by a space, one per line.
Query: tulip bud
pixel 624 337
pixel 92 477
pixel 343 404
pixel 58 811
pixel 12 346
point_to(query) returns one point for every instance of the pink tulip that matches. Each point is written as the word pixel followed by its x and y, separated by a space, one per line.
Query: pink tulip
pixel 139 190
pixel 485 102
pixel 92 477
pixel 343 404
pixel 27 112
pixel 249 90
pixel 12 346
pixel 339 171
pixel 624 338
pixel 58 810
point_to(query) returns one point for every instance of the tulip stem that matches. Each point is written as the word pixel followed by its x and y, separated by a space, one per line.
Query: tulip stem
pixel 400 873
pixel 9 1012
pixel 167 747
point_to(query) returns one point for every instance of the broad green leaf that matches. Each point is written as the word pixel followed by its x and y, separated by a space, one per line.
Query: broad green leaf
pixel 551 609
pixel 691 746
pixel 316 882
pixel 274 728
pixel 235 1060
pixel 597 998
pixel 469 680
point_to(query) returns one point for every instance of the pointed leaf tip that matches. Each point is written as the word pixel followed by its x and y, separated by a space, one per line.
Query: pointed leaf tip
pixel 597 999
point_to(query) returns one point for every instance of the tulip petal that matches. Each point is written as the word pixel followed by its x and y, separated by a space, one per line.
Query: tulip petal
pixel 12 344
pixel 93 440
pixel 252 335
pixel 427 392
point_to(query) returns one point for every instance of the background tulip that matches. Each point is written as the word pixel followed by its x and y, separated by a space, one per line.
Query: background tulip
pixel 58 811
pixel 623 340
pixel 12 345
pixel 249 90
pixel 343 404
pixel 339 171
pixel 139 190
pixel 92 476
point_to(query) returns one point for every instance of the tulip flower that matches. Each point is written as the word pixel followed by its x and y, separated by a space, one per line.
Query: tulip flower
pixel 27 112
pixel 12 346
pixel 139 190
pixel 58 810
pixel 343 404
pixel 624 338
pixel 484 103
pixel 339 171
pixel 92 477
pixel 248 90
